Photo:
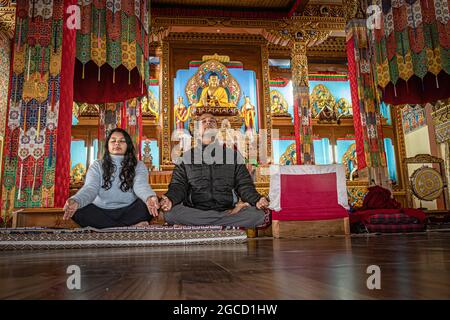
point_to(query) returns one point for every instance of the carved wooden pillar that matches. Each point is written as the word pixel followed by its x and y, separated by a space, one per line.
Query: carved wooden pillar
pixel 265 109
pixel 302 108
pixel 165 106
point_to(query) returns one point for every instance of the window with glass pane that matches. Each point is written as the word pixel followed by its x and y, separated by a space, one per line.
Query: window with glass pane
pixel 322 151
pixel 78 153
pixel 390 160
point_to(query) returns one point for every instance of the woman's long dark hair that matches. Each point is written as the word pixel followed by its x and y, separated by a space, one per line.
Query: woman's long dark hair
pixel 129 163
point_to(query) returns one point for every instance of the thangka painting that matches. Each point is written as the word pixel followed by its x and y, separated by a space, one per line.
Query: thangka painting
pixel 281 97
pixel 413 118
pixel 236 90
pixel 151 103
pixel 330 100
pixel 283 151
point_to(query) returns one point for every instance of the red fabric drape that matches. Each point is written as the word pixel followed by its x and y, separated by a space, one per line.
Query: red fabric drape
pixel 309 197
pixel 418 91
pixel 7 111
pixel 140 130
pixel 359 135
pixel 123 115
pixel 298 141
pixel 62 169
pixel 379 198
pixel 90 90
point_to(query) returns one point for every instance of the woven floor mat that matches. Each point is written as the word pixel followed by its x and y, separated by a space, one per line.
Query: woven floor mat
pixel 43 238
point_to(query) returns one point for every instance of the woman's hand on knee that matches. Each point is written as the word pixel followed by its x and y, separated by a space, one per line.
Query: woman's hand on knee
pixel 153 205
pixel 70 207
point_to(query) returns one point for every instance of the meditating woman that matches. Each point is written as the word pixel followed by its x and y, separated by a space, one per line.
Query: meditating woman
pixel 116 192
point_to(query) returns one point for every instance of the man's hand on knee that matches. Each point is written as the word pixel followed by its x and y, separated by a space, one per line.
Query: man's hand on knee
pixel 166 204
pixel 263 203
pixel 239 206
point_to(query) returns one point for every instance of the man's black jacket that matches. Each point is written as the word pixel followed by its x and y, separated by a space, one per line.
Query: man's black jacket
pixel 206 182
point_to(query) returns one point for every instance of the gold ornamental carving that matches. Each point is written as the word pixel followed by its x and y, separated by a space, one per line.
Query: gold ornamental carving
pixel 7 17
pixel 401 147
pixel 299 65
pixel 325 21
pixel 441 120
pixel 333 47
pixel 266 91
pixel 356 191
pixel 184 37
pixel 215 56
pixel 158 33
pixel 323 10
pixel 166 146
pixel 352 9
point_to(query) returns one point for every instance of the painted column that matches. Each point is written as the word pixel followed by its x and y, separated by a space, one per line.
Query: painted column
pixel 165 108
pixel 365 103
pixel 302 108
pixel 5 53
pixel 266 114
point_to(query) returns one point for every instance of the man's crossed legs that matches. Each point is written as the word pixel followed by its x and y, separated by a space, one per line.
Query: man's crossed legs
pixel 249 217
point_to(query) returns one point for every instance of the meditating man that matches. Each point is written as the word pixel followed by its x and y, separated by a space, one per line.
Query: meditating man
pixel 116 192
pixel 205 184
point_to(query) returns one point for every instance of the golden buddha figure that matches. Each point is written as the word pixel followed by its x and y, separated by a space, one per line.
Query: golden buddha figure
pixel 214 95
pixel 181 113
pixel 248 114
pixel 150 105
pixel 78 173
pixel 278 107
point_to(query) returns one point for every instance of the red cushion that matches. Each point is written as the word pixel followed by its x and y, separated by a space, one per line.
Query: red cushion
pixel 395 228
pixel 309 197
pixel 364 215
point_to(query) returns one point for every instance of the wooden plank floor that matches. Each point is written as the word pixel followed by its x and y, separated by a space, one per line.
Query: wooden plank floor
pixel 415 266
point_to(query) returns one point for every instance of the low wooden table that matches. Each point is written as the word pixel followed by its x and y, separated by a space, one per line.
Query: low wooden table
pixel 41 217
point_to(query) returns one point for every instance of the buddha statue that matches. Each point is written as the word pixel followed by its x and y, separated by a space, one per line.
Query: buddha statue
pixel 214 95
pixel 278 107
pixel 181 113
pixel 150 105
pixel 77 174
pixel 248 114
